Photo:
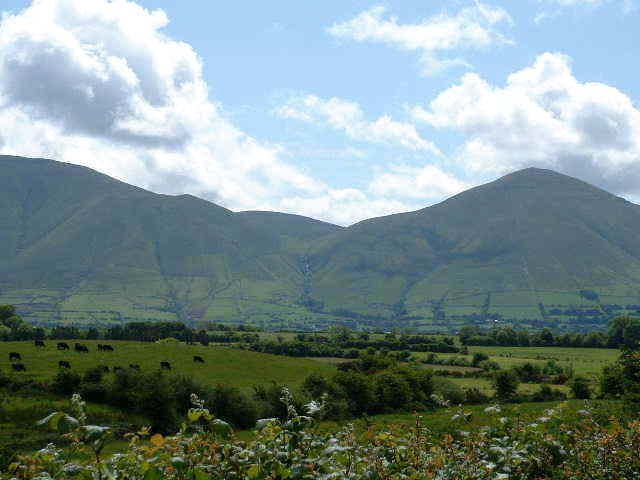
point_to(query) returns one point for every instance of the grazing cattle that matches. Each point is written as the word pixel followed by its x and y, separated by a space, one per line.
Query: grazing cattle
pixel 14 356
pixel 165 365
pixel 19 367
pixel 81 348
pixel 105 348
pixel 134 366
pixel 64 364
pixel 39 343
pixel 198 359
pixel 63 346
pixel 104 368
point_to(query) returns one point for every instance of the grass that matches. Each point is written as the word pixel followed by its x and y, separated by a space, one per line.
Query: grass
pixel 585 361
pixel 223 365
pixel 440 422
pixel 20 412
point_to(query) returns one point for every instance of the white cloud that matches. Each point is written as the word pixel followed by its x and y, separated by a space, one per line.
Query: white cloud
pixel 347 116
pixel 426 182
pixel 98 83
pixel 543 117
pixel 558 6
pixel 348 205
pixel 475 27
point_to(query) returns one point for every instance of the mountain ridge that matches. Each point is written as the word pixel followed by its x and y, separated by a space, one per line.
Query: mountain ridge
pixel 80 246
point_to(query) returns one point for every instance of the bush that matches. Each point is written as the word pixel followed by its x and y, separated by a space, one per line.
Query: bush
pixel 479 357
pixel 580 388
pixel 66 382
pixel 547 394
pixel 506 385
pixel 475 396
pixel 232 405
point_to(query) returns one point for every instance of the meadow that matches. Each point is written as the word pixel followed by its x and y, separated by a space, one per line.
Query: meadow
pixel 584 361
pixel 222 365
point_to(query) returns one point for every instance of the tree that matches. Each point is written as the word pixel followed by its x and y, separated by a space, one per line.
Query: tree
pixel 478 358
pixel 506 385
pixel 580 388
pixel 624 332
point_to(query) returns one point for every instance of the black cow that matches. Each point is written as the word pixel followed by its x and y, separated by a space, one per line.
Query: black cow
pixel 198 359
pixel 134 366
pixel 64 364
pixel 81 348
pixel 63 346
pixel 19 367
pixel 14 356
pixel 165 365
pixel 39 343
pixel 106 348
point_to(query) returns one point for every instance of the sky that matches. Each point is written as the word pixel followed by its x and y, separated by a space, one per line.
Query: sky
pixel 340 110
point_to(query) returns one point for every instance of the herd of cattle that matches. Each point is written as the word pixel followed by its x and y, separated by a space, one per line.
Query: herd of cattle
pixel 16 358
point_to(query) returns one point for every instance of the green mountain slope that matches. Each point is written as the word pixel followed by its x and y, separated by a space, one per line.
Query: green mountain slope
pixel 521 247
pixel 80 246
pixel 534 247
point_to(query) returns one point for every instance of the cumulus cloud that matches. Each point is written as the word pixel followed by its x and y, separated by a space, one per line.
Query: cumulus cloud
pixel 543 116
pixel 347 117
pixel 348 205
pixel 406 181
pixel 474 27
pixel 98 83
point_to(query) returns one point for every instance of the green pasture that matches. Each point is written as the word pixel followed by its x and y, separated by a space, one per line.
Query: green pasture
pixel 222 365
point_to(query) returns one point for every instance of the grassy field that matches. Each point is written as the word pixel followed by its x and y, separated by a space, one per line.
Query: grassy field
pixel 585 361
pixel 224 365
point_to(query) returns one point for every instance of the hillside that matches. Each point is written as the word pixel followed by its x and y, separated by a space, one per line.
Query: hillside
pixel 536 247
pixel 522 247
pixel 78 246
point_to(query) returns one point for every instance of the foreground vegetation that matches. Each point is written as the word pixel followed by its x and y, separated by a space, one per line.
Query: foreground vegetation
pixel 553 445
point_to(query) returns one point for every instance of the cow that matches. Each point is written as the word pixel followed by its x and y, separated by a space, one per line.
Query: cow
pixel 14 356
pixel 81 348
pixel 134 366
pixel 64 364
pixel 63 346
pixel 198 359
pixel 19 367
pixel 39 343
pixel 165 365
pixel 105 348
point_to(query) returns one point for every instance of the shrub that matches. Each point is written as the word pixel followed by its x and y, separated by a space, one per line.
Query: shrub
pixel 66 382
pixel 479 357
pixel 506 385
pixel 580 388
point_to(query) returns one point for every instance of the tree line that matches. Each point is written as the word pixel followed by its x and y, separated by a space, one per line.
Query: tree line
pixel 623 332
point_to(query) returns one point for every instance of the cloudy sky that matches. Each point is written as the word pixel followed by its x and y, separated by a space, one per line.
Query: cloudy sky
pixel 339 110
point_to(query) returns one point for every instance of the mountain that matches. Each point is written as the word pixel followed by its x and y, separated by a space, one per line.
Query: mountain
pixel 534 247
pixel 78 246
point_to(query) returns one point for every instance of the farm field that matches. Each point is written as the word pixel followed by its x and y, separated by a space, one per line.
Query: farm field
pixel 585 361
pixel 231 366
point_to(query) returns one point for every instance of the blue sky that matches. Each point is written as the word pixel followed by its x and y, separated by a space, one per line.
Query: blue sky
pixel 339 110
